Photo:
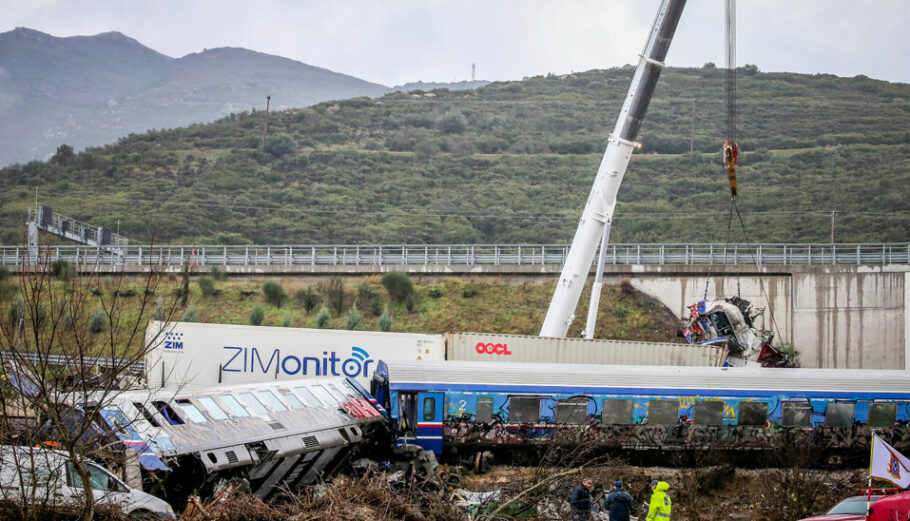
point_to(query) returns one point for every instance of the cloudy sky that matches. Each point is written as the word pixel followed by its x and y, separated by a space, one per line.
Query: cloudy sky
pixel 397 41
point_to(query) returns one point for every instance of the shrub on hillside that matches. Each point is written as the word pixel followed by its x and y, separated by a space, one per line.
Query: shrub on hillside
pixel 62 270
pixel 190 315
pixel 385 321
pixel 451 122
pixel 307 298
pixel 206 286
pixel 98 321
pixel 274 293
pixel 257 316
pixel 398 284
pixel 280 145
pixel 355 319
pixel 323 318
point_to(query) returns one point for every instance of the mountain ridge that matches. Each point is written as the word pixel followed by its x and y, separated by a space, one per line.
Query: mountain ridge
pixel 91 90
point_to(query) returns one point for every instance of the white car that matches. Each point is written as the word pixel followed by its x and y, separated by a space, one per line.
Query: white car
pixel 41 475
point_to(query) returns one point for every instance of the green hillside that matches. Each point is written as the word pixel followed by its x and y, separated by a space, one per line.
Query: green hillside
pixel 509 162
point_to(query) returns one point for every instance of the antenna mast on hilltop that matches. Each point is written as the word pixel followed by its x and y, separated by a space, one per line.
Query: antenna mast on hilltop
pixel 473 72
pixel 265 128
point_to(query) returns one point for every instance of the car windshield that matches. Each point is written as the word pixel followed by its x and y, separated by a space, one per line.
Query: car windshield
pixel 852 505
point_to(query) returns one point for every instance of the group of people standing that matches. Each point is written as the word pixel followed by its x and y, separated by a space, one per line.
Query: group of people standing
pixel 619 503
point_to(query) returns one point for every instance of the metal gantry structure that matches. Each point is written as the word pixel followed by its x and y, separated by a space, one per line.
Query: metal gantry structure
pixel 46 219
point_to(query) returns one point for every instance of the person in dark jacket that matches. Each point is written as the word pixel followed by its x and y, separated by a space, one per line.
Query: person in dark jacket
pixel 580 501
pixel 618 503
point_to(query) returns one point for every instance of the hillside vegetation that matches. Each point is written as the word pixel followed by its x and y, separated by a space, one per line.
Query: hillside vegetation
pixel 509 162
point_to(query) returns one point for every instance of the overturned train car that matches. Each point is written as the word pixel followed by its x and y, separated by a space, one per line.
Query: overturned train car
pixel 472 411
pixel 273 435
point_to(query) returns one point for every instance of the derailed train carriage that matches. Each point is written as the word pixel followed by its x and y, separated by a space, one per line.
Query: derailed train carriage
pixel 471 411
pixel 273 435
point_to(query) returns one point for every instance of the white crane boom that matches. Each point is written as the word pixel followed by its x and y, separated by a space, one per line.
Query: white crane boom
pixel 597 216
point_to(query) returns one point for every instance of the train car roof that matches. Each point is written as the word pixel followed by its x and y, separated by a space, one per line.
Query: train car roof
pixel 592 379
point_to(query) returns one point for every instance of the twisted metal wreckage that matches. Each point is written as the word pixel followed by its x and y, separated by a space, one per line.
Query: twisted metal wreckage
pixel 272 436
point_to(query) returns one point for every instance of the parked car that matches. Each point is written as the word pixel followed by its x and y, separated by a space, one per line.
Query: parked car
pixel 44 475
pixel 885 507
pixel 850 509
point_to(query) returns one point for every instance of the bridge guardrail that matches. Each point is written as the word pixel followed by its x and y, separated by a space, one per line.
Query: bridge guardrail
pixel 461 254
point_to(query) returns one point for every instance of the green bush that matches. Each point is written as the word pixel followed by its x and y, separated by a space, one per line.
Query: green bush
pixel 218 275
pixel 620 311
pixel 274 293
pixel 257 316
pixel 98 321
pixel 398 284
pixel 159 313
pixel 286 320
pixel 323 318
pixel 410 303
pixel 435 293
pixel 385 321
pixel 451 122
pixel 190 315
pixel 206 286
pixel 280 145
pixel 308 299
pixel 355 319
pixel 16 312
pixel 332 291
pixel 62 270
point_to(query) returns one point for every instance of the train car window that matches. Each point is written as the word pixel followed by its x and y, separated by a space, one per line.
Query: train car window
pixel 663 412
pixel 796 414
pixel 618 412
pixel 233 405
pixel 882 414
pixel 146 414
pixel 752 413
pixel 214 411
pixel 307 396
pixel 484 410
pixel 338 393
pixel 572 410
pixel 324 395
pixel 169 414
pixel 709 412
pixel 839 414
pixel 254 404
pixel 524 409
pixel 272 401
pixel 191 412
pixel 429 409
pixel 353 393
pixel 292 400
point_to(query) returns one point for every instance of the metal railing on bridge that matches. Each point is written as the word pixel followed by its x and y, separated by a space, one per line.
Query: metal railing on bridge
pixel 461 254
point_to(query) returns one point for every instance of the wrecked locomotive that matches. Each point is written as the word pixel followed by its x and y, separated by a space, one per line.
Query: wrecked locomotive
pixel 730 324
pixel 469 411
pixel 273 435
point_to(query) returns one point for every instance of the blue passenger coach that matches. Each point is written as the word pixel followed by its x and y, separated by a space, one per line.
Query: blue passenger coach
pixel 452 407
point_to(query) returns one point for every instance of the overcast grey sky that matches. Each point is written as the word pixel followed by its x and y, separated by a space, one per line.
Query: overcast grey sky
pixel 397 41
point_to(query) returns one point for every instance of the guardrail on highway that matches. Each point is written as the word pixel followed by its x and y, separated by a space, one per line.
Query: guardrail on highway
pixel 462 254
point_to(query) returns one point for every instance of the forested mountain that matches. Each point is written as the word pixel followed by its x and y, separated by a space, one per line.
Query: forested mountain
pixel 508 162
pixel 91 90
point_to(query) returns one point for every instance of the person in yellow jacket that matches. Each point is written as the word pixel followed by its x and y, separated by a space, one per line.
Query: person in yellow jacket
pixel 660 504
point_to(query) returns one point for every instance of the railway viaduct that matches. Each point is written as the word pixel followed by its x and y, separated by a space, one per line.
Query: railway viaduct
pixel 841 305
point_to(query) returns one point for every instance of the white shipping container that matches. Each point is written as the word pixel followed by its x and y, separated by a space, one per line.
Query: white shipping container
pixel 191 354
pixel 493 347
